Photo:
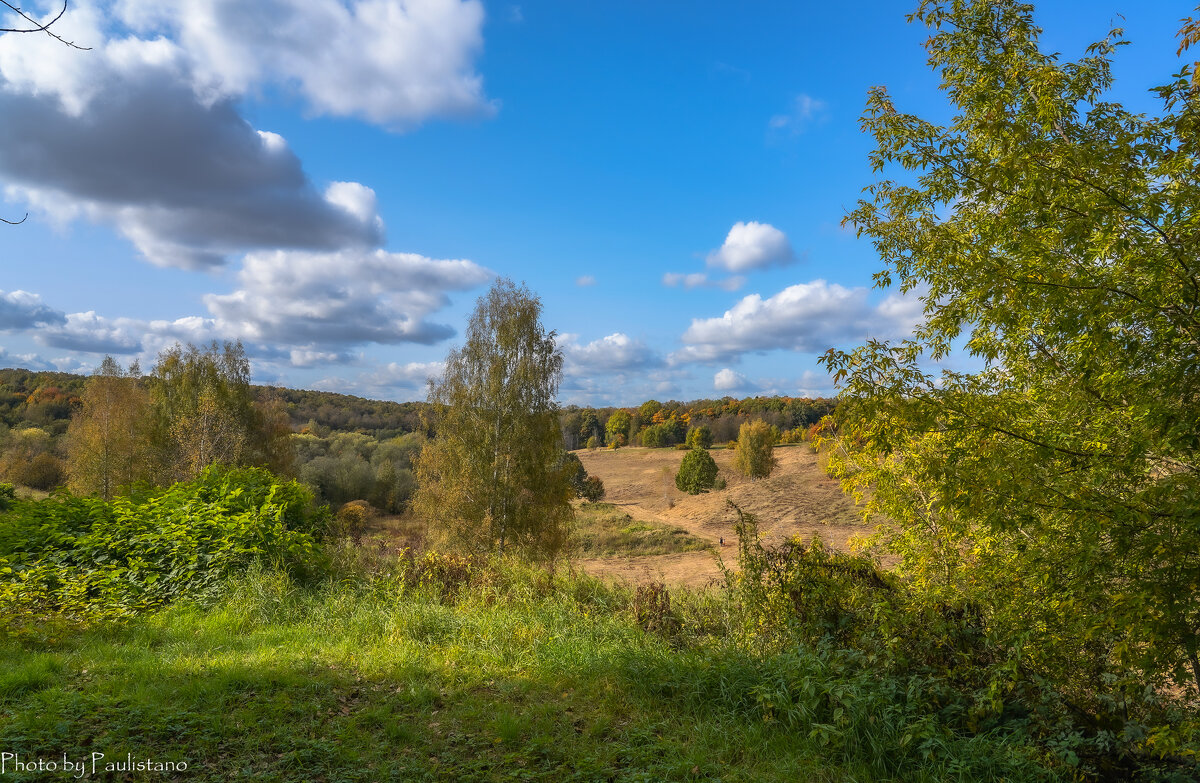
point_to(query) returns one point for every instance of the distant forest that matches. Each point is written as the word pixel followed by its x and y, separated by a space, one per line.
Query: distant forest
pixel 350 448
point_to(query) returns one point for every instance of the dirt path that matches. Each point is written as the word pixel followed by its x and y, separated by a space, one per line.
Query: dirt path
pixel 798 498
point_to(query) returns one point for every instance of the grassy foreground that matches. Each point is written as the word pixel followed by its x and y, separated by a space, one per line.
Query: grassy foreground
pixel 494 672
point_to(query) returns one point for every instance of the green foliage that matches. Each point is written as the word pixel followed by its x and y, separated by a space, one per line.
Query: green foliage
pixel 1052 232
pixel 491 477
pixel 668 433
pixel 617 424
pixel 700 437
pixel 347 466
pixel 754 455
pixel 205 413
pixel 593 443
pixel 84 558
pixel 697 472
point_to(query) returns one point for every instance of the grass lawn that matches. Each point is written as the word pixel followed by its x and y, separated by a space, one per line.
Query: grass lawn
pixel 516 677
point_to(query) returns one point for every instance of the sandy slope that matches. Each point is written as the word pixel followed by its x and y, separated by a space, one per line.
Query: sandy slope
pixel 798 498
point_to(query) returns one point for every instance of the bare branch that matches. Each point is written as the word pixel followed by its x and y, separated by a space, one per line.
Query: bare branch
pixel 39 27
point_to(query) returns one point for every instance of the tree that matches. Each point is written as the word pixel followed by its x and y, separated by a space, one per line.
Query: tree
pixel 107 441
pixel 617 424
pixel 1053 233
pixel 204 413
pixel 697 472
pixel 700 437
pixel 491 475
pixel 754 455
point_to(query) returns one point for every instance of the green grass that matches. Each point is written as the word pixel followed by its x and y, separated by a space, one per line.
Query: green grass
pixel 369 678
pixel 603 530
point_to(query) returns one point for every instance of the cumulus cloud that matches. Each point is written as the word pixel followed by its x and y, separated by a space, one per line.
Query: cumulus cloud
pixel 808 317
pixel 347 297
pixel 144 133
pixel 804 110
pixel 188 183
pixel 91 333
pixel 391 62
pixel 701 280
pixel 23 310
pixel 750 246
pixel 617 352
pixel 729 380
pixel 585 280
pixel 391 381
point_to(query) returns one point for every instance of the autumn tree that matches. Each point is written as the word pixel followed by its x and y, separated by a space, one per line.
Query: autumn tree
pixel 108 439
pixel 491 477
pixel 700 437
pixel 754 455
pixel 205 413
pixel 1053 233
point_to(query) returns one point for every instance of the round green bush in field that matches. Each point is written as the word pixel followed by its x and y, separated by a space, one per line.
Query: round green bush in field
pixel 696 473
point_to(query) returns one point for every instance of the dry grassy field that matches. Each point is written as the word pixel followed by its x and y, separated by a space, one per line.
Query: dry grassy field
pixel 797 499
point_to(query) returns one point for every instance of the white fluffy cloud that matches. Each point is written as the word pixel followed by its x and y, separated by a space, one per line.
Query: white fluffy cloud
pixel 750 246
pixel 145 134
pixel 342 298
pixel 809 318
pixel 391 62
pixel 615 353
pixel 127 142
pixel 729 380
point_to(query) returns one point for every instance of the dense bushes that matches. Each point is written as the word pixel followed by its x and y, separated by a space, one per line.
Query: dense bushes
pixel 85 558
pixel 697 472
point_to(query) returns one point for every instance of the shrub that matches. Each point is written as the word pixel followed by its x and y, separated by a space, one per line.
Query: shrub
pixel 44 472
pixel 700 437
pixel 86 558
pixel 593 443
pixel 697 472
pixel 755 444
pixel 593 489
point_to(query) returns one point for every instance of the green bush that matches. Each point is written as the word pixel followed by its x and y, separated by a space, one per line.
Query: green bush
pixel 697 472
pixel 86 558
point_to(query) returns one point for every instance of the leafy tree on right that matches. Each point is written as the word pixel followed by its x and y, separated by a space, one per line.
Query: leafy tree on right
pixel 1054 235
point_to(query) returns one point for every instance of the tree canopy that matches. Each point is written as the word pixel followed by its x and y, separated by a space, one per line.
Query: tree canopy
pixel 492 476
pixel 1052 233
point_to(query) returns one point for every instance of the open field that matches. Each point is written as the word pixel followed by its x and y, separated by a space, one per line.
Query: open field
pixel 797 499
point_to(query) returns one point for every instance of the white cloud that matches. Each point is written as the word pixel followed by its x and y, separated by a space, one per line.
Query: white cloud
pixel 144 132
pixel 392 62
pixel 585 280
pixel 617 352
pixel 728 380
pixel 809 318
pixel 804 110
pixel 188 182
pixel 750 246
pixel 342 298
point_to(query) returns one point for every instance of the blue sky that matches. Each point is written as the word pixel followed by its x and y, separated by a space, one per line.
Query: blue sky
pixel 334 182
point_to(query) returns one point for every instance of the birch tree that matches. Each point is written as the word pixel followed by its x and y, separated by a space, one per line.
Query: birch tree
pixel 491 477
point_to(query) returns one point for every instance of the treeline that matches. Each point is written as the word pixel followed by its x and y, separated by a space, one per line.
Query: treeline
pixel 120 427
pixel 657 424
